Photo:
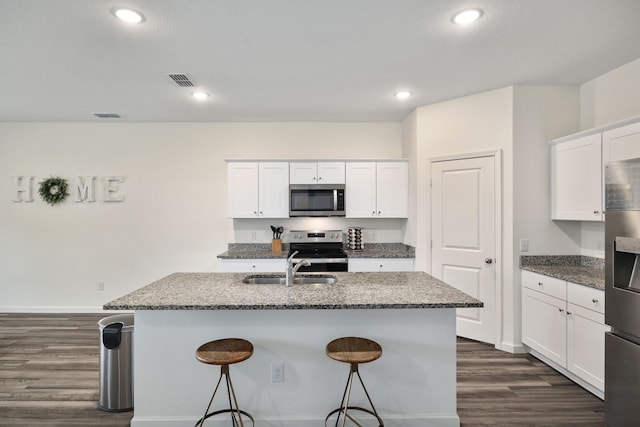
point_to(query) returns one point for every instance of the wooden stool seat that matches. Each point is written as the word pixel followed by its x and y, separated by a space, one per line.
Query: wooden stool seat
pixel 354 350
pixel 225 351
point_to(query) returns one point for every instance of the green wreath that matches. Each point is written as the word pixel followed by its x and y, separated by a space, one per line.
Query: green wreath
pixel 53 190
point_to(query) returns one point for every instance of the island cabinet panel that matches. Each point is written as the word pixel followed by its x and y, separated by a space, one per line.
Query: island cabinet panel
pixel 317 173
pixel 252 265
pixel 258 189
pixel 563 324
pixel 413 384
pixel 381 264
pixel 576 179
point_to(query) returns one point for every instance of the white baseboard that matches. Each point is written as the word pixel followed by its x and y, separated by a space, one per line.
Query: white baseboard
pixel 390 421
pixel 512 348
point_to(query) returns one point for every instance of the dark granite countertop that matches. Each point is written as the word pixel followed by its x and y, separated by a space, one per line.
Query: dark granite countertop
pixel 371 250
pixel 225 291
pixel 383 250
pixel 586 271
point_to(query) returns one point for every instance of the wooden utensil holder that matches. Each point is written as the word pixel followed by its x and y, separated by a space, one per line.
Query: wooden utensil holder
pixel 276 245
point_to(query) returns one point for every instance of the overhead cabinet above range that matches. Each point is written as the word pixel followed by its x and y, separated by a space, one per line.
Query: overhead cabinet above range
pixel 316 173
pixel 373 189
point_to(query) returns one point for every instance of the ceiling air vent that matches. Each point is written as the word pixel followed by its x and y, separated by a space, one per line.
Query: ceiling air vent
pixel 107 115
pixel 181 79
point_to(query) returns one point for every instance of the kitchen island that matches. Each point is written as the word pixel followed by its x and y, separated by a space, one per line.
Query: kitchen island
pixel 411 314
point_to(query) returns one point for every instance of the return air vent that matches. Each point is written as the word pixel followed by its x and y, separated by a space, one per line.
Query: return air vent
pixel 181 80
pixel 107 115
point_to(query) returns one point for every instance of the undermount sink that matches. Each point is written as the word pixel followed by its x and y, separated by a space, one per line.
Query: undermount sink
pixel 302 279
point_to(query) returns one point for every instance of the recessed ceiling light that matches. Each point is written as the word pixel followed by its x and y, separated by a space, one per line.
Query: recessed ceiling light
pixel 128 15
pixel 201 96
pixel 403 95
pixel 466 16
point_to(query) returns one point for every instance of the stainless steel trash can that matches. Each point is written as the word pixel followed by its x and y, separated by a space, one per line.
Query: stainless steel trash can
pixel 116 363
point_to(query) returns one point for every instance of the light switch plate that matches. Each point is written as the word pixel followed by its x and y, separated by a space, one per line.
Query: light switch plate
pixel 524 245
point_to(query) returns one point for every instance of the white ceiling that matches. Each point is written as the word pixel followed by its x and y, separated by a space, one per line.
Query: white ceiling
pixel 294 60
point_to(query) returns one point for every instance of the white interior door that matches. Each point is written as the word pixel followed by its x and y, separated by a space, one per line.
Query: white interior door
pixel 463 238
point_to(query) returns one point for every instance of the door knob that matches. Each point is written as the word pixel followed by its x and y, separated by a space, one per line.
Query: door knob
pixel 488 260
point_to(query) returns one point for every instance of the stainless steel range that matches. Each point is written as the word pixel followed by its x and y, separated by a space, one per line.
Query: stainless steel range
pixel 324 249
pixel 622 293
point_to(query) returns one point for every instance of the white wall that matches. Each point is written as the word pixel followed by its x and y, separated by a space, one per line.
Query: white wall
pixel 608 98
pixel 611 97
pixel 541 113
pixel 174 217
pixel 468 125
pixel 518 121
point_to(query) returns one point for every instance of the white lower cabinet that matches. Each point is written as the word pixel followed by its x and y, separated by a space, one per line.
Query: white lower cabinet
pixel 380 264
pixel 544 325
pixel 252 265
pixel 563 323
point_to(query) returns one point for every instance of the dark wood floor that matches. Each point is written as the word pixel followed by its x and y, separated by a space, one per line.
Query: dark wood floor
pixel 49 377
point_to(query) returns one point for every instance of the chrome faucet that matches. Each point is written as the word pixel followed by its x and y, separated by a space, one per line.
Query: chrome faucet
pixel 293 268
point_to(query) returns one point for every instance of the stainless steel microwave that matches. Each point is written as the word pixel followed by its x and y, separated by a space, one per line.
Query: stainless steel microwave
pixel 316 200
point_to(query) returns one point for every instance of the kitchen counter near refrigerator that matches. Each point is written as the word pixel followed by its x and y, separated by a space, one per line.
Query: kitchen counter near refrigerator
pixel 583 270
pixel 411 315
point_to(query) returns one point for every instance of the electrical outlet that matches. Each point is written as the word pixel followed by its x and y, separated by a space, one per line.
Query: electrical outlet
pixel 524 245
pixel 277 372
pixel 101 286
pixel 254 236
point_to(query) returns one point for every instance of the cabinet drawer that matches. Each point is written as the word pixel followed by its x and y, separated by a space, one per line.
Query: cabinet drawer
pixel 252 265
pixel 380 264
pixel 547 285
pixel 586 297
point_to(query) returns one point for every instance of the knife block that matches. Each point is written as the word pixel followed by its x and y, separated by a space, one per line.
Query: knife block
pixel 276 245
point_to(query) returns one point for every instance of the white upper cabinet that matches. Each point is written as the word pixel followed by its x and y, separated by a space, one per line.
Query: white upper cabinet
pixel 317 173
pixel 258 189
pixel 376 189
pixel 360 191
pixel 576 179
pixel 621 144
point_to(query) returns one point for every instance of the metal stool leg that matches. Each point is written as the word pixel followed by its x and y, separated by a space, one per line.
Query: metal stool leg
pixel 344 404
pixel 224 371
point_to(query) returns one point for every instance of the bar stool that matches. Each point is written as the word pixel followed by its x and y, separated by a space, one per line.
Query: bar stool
pixel 225 352
pixel 353 350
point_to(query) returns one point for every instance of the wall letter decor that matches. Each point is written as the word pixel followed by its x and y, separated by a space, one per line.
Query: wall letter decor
pixel 23 188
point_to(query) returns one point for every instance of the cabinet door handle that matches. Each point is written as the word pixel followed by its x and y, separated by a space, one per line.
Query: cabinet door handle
pixel 539 283
pixel 373 213
pixel 595 301
pixel 319 178
pixel 255 213
pixel 260 212
pixel 379 212
pixel 488 260
pixel 560 310
pixel 596 212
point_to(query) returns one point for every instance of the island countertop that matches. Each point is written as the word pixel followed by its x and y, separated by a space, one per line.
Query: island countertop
pixel 225 291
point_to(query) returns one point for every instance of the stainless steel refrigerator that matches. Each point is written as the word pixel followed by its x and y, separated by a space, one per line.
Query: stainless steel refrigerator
pixel 622 293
